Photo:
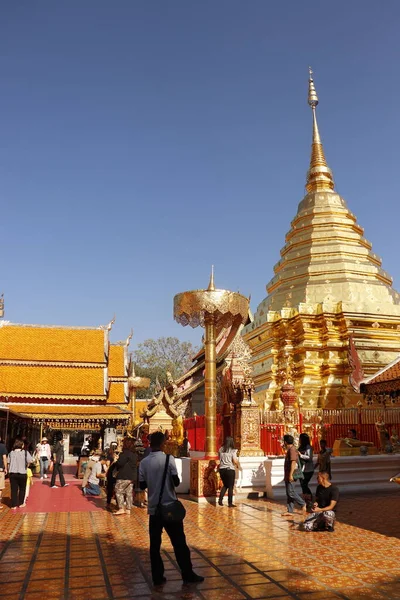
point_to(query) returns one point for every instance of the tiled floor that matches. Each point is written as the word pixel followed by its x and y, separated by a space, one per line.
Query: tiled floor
pixel 244 553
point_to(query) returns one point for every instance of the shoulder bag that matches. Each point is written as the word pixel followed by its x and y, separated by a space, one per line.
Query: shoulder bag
pixel 298 472
pixel 174 511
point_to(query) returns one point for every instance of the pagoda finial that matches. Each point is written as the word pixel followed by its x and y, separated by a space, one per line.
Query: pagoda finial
pixel 211 286
pixel 319 176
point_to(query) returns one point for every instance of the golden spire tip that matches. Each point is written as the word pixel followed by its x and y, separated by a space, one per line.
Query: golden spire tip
pixel 319 176
pixel 211 286
pixel 312 94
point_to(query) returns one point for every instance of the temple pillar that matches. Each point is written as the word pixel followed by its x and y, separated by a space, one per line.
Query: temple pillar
pixel 247 420
pixel 290 410
pixel 205 482
pixel 248 438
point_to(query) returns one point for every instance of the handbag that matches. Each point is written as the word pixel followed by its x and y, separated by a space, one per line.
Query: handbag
pixel 174 511
pixel 298 472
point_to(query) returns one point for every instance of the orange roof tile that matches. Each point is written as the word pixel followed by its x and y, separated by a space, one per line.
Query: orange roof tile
pixel 116 393
pixel 140 407
pixel 116 361
pixel 34 343
pixel 388 373
pixel 40 380
pixel 70 412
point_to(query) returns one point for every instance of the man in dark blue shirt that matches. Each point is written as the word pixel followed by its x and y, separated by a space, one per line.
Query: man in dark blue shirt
pixel 151 476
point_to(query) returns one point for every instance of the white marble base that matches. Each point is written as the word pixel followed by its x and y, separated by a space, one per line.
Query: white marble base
pixel 349 473
pixel 252 471
pixel 183 468
pixel 265 475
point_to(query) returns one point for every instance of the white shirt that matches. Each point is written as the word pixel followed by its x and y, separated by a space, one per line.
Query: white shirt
pixel 226 458
pixel 151 471
pixel 44 450
pixel 96 469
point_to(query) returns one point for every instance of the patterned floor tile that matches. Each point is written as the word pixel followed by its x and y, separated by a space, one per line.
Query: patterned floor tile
pixel 263 556
pixel 263 590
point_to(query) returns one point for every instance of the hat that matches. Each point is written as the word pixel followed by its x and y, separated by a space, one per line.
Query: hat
pixel 44 438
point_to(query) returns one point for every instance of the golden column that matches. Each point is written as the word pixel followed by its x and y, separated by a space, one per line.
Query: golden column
pixel 210 386
pixel 214 310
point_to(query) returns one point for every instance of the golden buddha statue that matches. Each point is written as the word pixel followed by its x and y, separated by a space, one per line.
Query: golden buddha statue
pixel 174 437
pixel 177 430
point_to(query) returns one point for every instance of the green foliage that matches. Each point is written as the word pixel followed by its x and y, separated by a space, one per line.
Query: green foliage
pixel 153 358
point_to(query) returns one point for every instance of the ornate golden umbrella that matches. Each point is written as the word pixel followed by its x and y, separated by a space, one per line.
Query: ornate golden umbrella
pixel 212 309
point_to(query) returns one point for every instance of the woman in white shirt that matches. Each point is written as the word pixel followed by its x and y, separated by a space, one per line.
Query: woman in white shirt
pixel 44 452
pixel 227 463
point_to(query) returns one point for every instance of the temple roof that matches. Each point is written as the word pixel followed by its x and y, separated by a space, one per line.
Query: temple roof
pixel 37 343
pixel 70 412
pixel 118 392
pixel 116 361
pixel 389 373
pixel 54 382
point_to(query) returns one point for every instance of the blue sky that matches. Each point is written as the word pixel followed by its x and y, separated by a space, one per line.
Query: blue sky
pixel 141 142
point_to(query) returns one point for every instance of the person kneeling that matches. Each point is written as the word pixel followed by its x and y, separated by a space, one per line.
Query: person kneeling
pixel 323 516
pixel 93 474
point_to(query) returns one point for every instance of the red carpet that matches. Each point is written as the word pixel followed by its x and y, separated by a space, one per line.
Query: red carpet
pixel 43 498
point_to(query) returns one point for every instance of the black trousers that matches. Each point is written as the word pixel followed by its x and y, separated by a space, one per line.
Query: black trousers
pixel 178 540
pixel 57 468
pixel 18 488
pixel 228 480
pixel 304 483
pixel 110 488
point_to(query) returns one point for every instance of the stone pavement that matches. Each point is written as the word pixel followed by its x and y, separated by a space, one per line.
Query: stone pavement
pixel 246 552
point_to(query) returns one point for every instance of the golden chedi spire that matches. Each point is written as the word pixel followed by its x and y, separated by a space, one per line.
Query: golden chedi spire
pixel 319 176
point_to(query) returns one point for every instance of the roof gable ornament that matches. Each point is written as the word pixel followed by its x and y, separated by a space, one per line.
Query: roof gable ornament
pixel 319 175
pixel 128 339
pixel 109 325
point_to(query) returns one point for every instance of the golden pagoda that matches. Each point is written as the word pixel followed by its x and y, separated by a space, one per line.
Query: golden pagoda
pixel 328 288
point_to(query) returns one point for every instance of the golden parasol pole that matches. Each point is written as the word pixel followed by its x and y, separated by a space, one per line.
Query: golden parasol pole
pixel 210 395
pixel 213 309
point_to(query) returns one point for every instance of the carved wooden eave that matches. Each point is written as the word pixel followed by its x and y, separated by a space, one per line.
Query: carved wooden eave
pixel 356 376
pixel 163 400
pixel 386 381
pixel 225 343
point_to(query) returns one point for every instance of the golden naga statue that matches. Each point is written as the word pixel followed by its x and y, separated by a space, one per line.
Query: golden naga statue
pixel 352 443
